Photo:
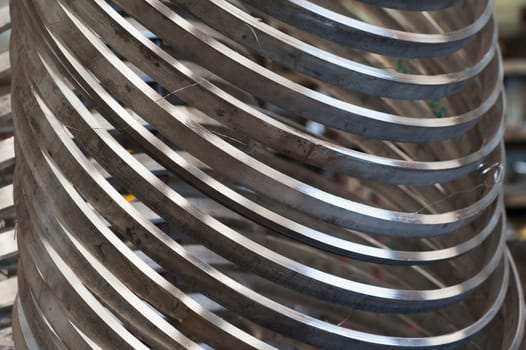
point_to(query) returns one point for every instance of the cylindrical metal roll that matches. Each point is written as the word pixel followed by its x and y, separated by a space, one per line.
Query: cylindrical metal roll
pixel 246 174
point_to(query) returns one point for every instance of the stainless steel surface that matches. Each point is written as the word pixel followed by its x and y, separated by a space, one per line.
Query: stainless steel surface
pixel 260 174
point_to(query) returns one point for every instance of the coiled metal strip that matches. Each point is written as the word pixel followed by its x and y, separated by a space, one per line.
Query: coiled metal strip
pixel 268 247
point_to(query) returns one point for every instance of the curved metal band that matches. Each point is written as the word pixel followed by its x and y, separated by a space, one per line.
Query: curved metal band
pixel 414 5
pixel 356 34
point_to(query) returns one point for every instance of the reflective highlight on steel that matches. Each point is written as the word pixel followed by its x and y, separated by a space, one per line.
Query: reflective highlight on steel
pixel 245 174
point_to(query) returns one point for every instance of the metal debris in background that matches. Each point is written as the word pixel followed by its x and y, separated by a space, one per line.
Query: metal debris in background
pixel 260 174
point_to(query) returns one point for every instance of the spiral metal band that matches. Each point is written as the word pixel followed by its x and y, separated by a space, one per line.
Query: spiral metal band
pixel 260 175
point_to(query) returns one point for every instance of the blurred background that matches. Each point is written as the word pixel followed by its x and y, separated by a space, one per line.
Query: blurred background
pixel 511 16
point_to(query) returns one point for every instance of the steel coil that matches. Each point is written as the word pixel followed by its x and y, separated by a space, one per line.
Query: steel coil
pixel 260 174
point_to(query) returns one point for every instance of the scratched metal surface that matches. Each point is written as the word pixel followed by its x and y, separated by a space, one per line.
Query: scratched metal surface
pixel 258 174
